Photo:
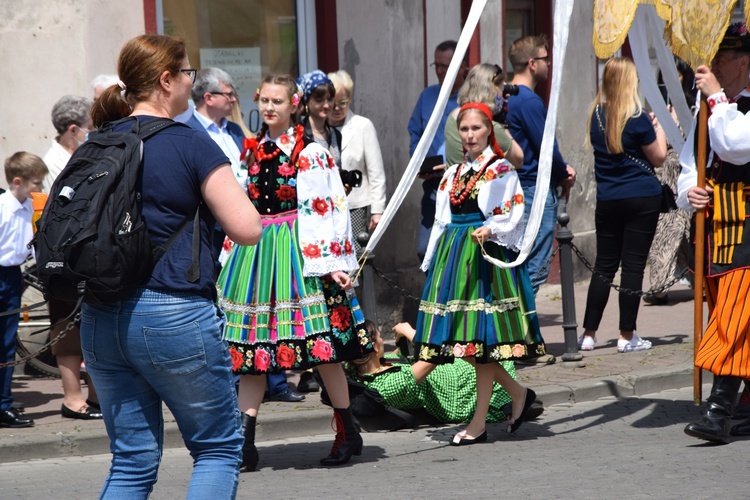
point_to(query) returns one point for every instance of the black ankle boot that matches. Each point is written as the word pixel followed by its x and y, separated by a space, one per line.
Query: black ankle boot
pixel 714 425
pixel 249 451
pixel 348 441
pixel 741 429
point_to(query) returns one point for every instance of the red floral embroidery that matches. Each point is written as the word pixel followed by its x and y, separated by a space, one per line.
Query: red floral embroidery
pixel 262 360
pixel 497 211
pixel 518 198
pixel 489 174
pixel 284 139
pixel 471 350
pixel 286 192
pixel 311 251
pixel 341 317
pixel 285 356
pixel 236 358
pixel 335 248
pixel 227 246
pixel 303 164
pixel 322 350
pixel 443 184
pixel 254 169
pixel 286 170
pixel 331 164
pixel 253 192
pixel 320 206
pixel 348 247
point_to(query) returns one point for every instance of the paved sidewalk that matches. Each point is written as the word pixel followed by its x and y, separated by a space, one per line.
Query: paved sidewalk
pixel 604 372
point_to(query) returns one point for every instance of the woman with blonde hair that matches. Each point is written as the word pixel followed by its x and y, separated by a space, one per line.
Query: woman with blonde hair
pixel 484 84
pixel 628 144
pixel 360 150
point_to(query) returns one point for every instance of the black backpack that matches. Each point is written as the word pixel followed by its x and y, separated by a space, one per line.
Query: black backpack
pixel 91 241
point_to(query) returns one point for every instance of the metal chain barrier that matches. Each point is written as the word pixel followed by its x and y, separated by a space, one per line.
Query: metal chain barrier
pixel 46 346
pixel 619 288
pixel 393 284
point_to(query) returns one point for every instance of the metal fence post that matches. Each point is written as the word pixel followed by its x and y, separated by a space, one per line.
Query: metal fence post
pixel 367 283
pixel 570 327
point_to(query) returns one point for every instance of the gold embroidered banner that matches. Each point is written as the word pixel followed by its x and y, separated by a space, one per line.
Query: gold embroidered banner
pixel 694 28
pixel 697 27
pixel 612 20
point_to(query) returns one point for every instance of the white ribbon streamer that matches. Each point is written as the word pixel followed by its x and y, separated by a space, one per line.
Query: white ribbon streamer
pixel 563 11
pixel 410 174
pixel 639 45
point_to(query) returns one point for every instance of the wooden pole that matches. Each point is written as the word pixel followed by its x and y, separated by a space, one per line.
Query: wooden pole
pixel 700 247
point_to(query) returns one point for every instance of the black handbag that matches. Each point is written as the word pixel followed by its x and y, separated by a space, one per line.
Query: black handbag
pixel 668 197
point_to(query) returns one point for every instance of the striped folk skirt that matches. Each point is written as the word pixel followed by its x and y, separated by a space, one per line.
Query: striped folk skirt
pixel 469 307
pixel 725 347
pixel 278 319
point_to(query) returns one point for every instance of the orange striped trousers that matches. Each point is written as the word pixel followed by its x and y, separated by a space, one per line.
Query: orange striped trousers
pixel 725 347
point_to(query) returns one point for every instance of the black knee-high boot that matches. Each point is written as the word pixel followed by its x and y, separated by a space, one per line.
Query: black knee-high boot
pixel 348 441
pixel 249 451
pixel 714 425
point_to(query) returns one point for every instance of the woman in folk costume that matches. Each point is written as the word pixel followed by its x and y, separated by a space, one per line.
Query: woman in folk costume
pixel 289 300
pixel 470 308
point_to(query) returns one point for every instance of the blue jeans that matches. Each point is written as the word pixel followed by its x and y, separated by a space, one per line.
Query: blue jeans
pixel 11 288
pixel 545 238
pixel 159 346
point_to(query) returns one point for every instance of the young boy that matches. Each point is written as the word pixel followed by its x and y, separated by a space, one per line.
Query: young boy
pixel 24 173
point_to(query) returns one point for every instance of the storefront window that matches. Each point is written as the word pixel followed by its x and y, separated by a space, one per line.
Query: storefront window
pixel 245 38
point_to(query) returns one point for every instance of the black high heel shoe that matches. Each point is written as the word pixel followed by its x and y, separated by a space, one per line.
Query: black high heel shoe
pixel 463 441
pixel 529 399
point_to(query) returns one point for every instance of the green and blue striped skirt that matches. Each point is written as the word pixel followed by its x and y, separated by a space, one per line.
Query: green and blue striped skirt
pixel 278 319
pixel 471 308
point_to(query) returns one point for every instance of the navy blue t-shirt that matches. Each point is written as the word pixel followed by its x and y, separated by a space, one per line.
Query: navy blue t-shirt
pixel 176 161
pixel 617 176
pixel 526 118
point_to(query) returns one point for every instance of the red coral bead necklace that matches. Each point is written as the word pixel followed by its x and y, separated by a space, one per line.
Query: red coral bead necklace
pixel 261 155
pixel 455 197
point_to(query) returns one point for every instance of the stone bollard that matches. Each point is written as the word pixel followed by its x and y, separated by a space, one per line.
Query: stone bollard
pixel 570 327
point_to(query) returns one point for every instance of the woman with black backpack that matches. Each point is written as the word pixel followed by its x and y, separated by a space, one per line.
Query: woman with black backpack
pixel 165 342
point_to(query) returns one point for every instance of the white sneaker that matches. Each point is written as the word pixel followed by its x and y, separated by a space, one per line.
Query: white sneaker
pixel 635 344
pixel 586 343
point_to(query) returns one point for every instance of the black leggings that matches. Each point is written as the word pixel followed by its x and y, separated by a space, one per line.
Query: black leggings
pixel 624 231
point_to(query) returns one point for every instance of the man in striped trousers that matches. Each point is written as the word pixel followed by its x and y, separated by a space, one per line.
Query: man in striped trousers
pixel 725 348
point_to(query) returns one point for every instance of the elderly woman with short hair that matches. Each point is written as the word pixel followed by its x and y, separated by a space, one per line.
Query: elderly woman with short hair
pixel 360 150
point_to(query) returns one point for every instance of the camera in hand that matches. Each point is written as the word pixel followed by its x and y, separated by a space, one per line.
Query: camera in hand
pixel 351 178
pixel 510 89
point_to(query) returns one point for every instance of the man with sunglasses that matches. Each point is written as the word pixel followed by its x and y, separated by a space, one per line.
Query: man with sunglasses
pixel 417 124
pixel 526 117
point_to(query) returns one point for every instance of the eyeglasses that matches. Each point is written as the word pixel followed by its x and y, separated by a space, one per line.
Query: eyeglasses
pixel 191 72
pixel 228 95
pixel 545 58
pixel 438 66
pixel 343 104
